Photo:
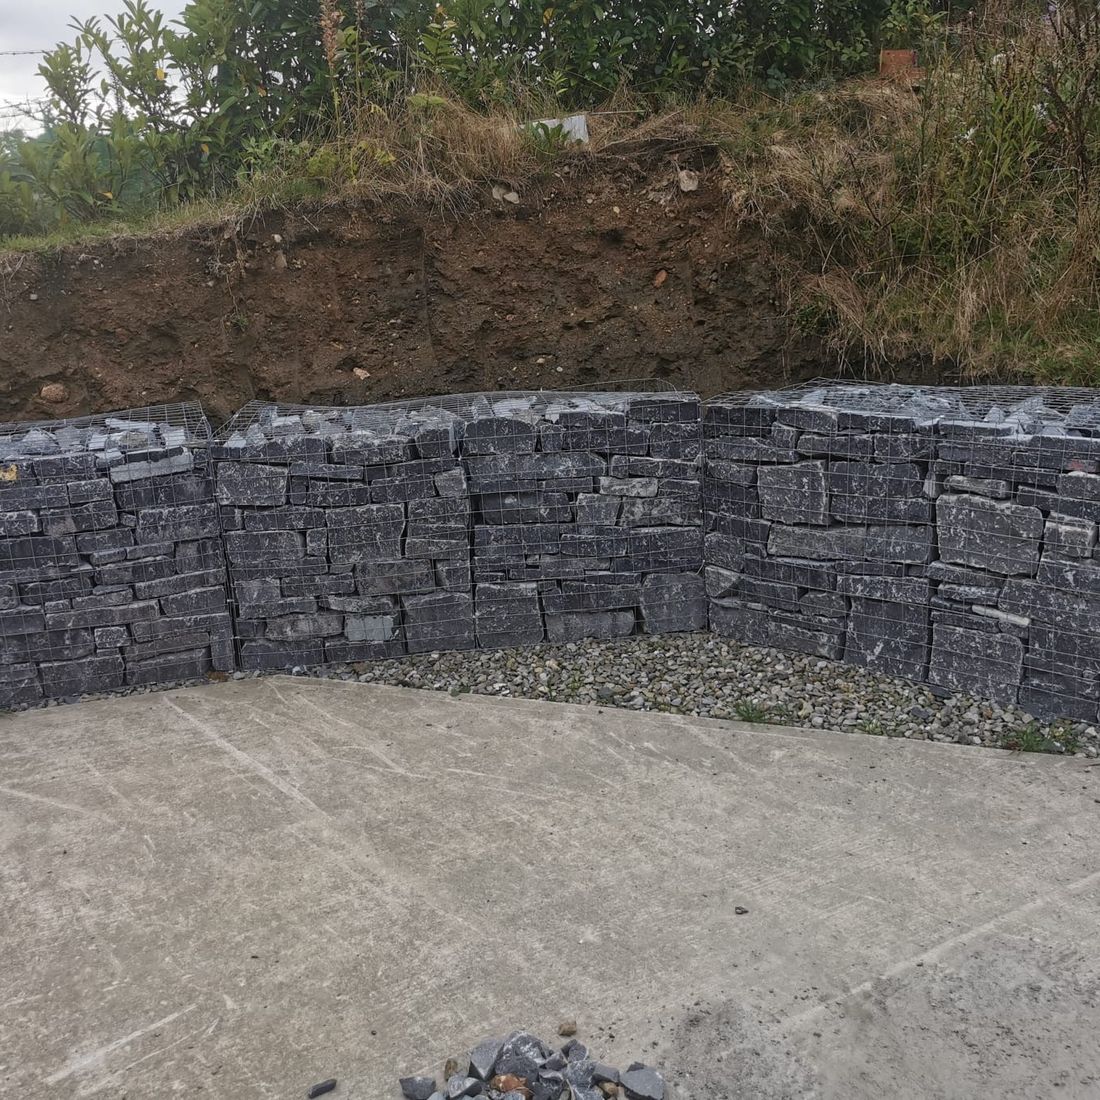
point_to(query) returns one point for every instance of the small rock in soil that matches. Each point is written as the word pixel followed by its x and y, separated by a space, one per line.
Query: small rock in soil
pixel 643 1083
pixel 417 1088
pixel 321 1088
pixel 567 1027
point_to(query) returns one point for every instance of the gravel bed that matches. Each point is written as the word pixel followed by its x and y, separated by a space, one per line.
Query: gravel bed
pixel 710 677
pixel 703 675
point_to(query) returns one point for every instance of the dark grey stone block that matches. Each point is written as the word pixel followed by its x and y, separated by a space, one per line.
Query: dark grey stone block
pixel 16 498
pixel 394 577
pixel 170 667
pixel 19 523
pixel 903 447
pixel 365 534
pixel 988 534
pixel 910 544
pixel 252 484
pixel 438 620
pixel 291 518
pixel 985 665
pixel 673 602
pixel 790 571
pixel 768 593
pixel 50 645
pixel 623 467
pixel 907 590
pixel 720 583
pixel 628 486
pixel 794 494
pixel 274 548
pixel 169 466
pixel 331 494
pixel 370 449
pixel 267 655
pixel 1053 503
pixel 178 523
pixel 598 509
pixel 660 511
pixel 891 638
pixel 1048 704
pixel 496 435
pixel 681 440
pixel 19 685
pixel 507 615
pixel 994 488
pixel 872 492
pixel 572 626
pixel 111 637
pixel 589 595
pixel 197 600
pixel 297 628
pixel 824 604
pixel 1066 537
pixel 454 575
pixel 526 507
pixel 138 611
pixel 61 679
pixel 836 446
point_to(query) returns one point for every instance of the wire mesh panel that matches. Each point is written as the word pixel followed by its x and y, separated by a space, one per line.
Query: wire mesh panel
pixel 942 535
pixel 111 569
pixel 469 521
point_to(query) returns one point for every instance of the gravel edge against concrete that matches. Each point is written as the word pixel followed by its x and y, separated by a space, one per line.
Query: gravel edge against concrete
pixel 703 675
pixel 707 676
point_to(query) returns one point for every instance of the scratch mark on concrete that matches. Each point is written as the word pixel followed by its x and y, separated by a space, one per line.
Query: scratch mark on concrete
pixel 375 752
pixel 82 1062
pixel 938 951
pixel 248 762
pixel 56 803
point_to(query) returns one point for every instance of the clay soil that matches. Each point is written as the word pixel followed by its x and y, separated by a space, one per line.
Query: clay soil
pixel 612 275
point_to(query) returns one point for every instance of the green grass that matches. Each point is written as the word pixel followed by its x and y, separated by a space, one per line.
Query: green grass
pixel 748 711
pixel 1030 738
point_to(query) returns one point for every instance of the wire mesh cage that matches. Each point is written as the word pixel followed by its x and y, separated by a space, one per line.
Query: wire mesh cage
pixel 943 535
pixel 111 568
pixel 475 520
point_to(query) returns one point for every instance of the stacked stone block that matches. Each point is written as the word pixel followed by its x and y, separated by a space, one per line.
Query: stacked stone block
pixel 944 536
pixel 355 534
pixel 587 512
pixel 111 565
pixel 347 533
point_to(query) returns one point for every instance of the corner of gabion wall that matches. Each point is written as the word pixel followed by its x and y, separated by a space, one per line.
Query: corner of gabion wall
pixel 476 521
pixel 111 564
pixel 946 536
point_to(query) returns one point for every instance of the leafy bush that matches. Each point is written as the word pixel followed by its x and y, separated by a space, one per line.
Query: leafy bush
pixel 144 114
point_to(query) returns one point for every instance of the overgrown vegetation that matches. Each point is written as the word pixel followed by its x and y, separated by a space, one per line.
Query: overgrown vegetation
pixel 957 219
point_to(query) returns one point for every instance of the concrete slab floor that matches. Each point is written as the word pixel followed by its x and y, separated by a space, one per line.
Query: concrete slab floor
pixel 238 890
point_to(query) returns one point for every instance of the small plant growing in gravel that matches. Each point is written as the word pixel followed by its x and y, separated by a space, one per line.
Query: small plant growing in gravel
pixel 748 711
pixel 1030 738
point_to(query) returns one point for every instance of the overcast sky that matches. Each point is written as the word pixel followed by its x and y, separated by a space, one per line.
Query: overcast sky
pixel 41 24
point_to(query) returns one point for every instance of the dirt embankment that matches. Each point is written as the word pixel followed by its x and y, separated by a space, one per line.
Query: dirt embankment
pixel 615 275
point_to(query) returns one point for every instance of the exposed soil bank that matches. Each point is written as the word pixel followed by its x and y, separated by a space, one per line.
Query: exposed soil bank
pixel 615 275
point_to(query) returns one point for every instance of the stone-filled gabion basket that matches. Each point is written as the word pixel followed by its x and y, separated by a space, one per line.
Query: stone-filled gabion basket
pixel 942 535
pixel 473 521
pixel 111 566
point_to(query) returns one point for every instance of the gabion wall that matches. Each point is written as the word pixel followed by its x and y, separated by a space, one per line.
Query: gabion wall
pixel 944 536
pixel 111 567
pixel 485 521
pixel 939 535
